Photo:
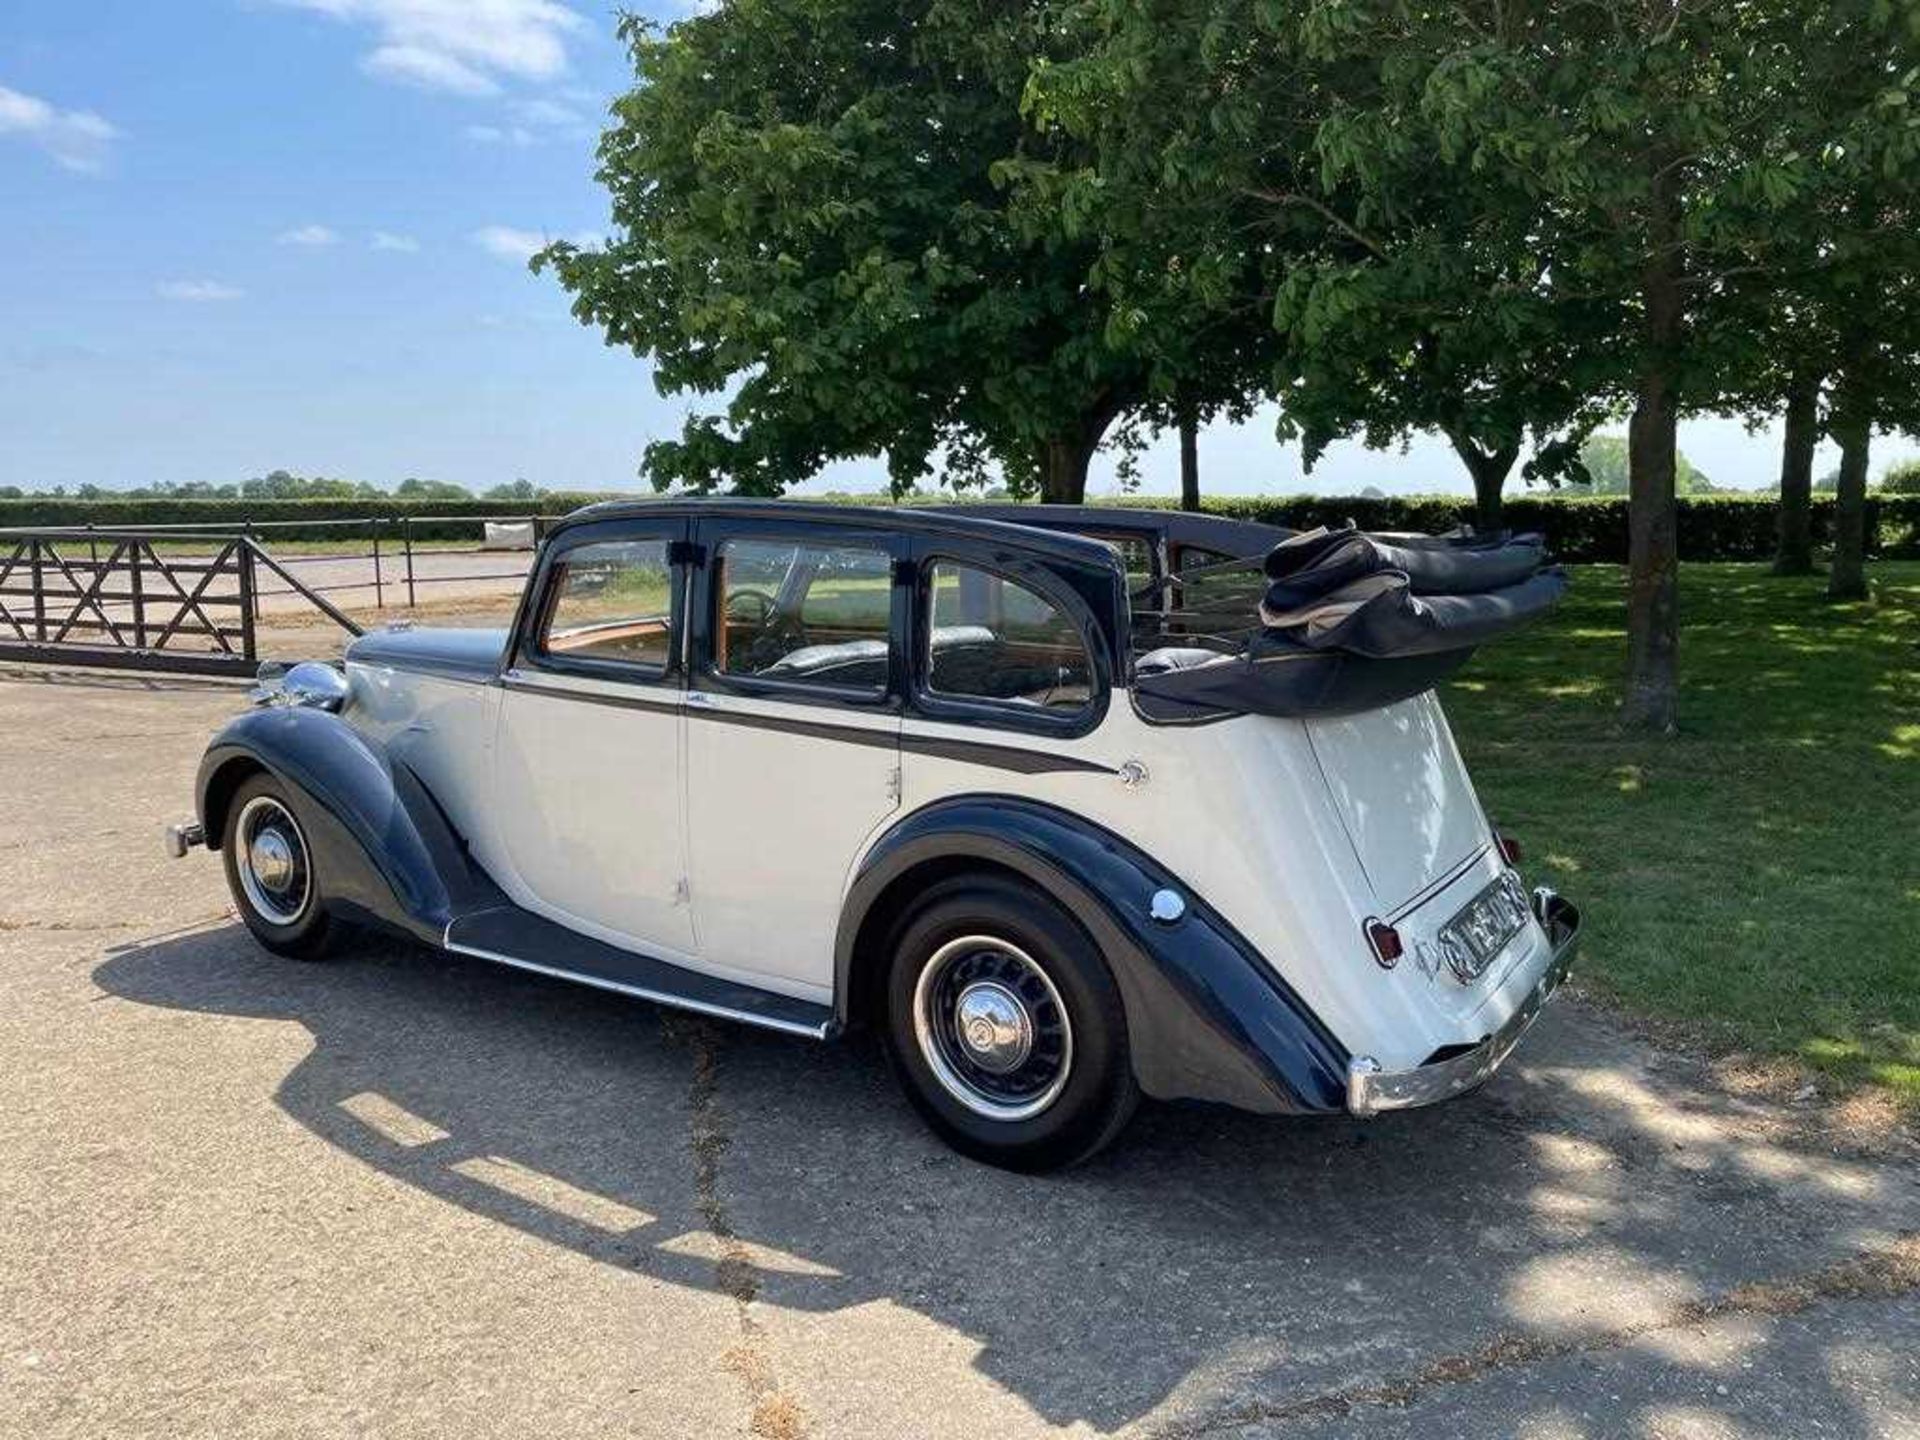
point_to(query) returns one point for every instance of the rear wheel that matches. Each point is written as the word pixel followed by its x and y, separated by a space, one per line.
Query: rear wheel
pixel 1006 1027
pixel 271 873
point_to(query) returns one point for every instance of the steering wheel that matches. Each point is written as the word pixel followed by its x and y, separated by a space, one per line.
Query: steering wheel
pixel 761 603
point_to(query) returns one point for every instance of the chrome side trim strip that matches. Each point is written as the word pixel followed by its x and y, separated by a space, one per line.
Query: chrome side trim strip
pixel 639 992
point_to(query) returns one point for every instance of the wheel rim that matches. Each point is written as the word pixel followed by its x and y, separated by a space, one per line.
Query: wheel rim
pixel 270 857
pixel 992 1028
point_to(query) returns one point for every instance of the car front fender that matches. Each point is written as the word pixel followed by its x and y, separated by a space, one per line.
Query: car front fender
pixel 385 850
pixel 1207 1017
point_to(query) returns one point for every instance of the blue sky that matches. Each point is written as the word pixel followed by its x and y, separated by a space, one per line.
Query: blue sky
pixel 240 235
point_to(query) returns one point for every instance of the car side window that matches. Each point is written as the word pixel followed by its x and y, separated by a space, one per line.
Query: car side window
pixel 1196 557
pixel 801 612
pixel 612 601
pixel 992 638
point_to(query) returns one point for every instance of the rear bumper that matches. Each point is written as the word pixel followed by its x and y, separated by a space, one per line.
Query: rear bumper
pixel 1371 1089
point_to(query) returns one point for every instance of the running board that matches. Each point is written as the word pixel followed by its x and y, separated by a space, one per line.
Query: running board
pixel 508 935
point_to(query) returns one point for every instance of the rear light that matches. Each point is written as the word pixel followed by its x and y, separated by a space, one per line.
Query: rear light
pixel 1385 941
pixel 1508 847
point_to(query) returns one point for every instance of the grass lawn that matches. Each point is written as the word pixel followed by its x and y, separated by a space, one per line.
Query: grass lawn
pixel 1757 876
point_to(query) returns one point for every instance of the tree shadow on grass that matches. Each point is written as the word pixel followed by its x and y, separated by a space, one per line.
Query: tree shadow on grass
pixel 1209 1263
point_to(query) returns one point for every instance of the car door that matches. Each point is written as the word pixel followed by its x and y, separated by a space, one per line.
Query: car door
pixel 793 729
pixel 590 745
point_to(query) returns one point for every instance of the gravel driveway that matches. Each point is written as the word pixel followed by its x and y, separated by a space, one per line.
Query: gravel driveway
pixel 399 1194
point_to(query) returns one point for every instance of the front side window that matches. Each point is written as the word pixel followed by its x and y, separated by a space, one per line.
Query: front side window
pixel 612 601
pixel 804 613
pixel 991 638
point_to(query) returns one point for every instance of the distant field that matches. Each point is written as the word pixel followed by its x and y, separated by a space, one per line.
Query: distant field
pixel 1757 877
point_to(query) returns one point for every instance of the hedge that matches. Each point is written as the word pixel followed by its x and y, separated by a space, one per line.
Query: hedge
pixel 1584 529
pixel 1712 527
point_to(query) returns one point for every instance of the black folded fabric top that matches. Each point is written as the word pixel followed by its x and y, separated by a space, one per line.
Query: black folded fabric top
pixel 1352 621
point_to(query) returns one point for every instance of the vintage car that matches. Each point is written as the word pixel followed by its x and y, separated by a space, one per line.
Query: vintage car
pixel 994 783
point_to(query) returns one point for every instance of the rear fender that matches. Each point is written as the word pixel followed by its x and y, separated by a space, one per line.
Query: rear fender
pixel 385 849
pixel 1207 1017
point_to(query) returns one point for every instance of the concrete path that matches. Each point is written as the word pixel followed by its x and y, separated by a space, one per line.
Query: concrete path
pixel 400 1195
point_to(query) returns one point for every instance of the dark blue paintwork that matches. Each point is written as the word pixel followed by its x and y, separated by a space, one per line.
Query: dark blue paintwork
pixel 455 654
pixel 1207 1017
pixel 383 844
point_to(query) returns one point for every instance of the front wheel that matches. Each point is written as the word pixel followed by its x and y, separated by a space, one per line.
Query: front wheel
pixel 1006 1027
pixel 271 873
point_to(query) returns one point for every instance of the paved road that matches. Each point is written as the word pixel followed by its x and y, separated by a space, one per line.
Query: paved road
pixel 399 1195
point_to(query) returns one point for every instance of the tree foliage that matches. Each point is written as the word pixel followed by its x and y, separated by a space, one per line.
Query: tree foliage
pixel 994 235
pixel 1901 479
pixel 1602 470
pixel 815 219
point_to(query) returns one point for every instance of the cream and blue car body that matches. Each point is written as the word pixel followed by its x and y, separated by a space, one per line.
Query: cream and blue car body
pixel 786 764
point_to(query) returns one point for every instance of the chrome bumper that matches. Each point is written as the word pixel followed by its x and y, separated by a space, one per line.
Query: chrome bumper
pixel 181 838
pixel 1371 1089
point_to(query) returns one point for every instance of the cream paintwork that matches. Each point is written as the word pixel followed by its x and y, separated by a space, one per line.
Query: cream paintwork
pixel 610 859
pixel 772 817
pixel 1242 811
pixel 1296 832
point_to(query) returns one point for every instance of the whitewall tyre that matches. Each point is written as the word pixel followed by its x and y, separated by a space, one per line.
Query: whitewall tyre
pixel 271 872
pixel 1005 1026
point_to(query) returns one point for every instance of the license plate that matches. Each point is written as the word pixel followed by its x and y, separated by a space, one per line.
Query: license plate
pixel 1483 926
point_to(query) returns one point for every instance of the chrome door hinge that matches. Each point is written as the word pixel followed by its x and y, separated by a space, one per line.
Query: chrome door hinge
pixel 682 892
pixel 893 785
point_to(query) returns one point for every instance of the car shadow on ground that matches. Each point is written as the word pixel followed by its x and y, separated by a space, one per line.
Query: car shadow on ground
pixel 1211 1265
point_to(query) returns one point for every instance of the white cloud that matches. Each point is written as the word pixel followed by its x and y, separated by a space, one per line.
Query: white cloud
pixel 311 236
pixel 548 112
pixel 399 244
pixel 532 122
pixel 511 244
pixel 76 139
pixel 429 69
pixel 465 46
pixel 515 135
pixel 197 291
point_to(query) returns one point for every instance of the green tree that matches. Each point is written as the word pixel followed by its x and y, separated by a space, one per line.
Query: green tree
pixel 1602 469
pixel 1666 149
pixel 1901 479
pixel 1296 173
pixel 416 489
pixel 521 489
pixel 811 219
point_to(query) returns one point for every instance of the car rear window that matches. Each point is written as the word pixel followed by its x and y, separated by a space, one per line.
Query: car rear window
pixel 992 638
pixel 805 613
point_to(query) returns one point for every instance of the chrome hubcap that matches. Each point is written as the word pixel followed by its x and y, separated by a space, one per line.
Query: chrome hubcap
pixel 992 1028
pixel 271 860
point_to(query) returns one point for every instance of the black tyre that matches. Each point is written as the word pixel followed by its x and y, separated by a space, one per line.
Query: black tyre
pixel 270 870
pixel 1006 1028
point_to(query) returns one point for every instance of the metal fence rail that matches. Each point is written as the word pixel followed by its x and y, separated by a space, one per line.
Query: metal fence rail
pixel 130 597
pixel 107 597
pixel 393 546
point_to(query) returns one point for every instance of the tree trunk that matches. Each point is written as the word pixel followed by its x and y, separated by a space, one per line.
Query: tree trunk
pixel 1189 460
pixel 1847 580
pixel 1652 698
pixel 1064 458
pixel 1489 469
pixel 1064 481
pixel 1794 554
